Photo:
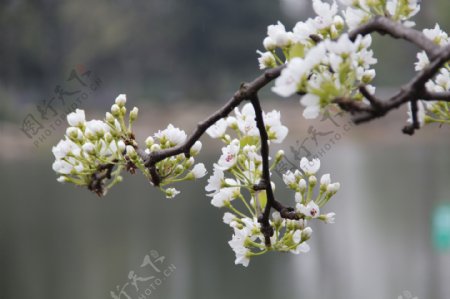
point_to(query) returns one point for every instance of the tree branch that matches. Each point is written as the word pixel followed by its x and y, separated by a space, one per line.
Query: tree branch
pixel 385 25
pixel 245 92
pixel 266 228
pixel 414 90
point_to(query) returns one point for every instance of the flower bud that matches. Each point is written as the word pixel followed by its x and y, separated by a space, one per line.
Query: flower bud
pixel 115 110
pixel 149 141
pixel 121 146
pixel 171 192
pixel 306 233
pixel 178 170
pixel 312 181
pixel 108 137
pixel 88 147
pixel 109 118
pixel 74 133
pixel 131 152
pixel 123 110
pixel 189 162
pixel 155 147
pixel 90 134
pixel 302 185
pixel 333 188
pixel 62 179
pixel 121 100
pixel 279 156
pixel 298 197
pixel 195 149
pixel 199 171
pixel 228 217
pixel 269 44
pixel 134 114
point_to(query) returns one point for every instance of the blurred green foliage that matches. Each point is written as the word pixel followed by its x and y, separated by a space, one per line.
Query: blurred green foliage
pixel 163 50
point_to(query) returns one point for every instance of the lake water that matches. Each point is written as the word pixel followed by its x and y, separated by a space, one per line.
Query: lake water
pixel 58 241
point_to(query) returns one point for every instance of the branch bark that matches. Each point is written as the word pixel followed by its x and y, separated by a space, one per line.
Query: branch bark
pixel 245 92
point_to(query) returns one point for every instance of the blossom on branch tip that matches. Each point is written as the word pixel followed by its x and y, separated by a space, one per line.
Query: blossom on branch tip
pixel 310 210
pixel 76 118
pixel 199 170
pixel 173 135
pixel 218 129
pixel 310 167
pixel 229 155
pixel 277 36
pixel 266 60
pixel 171 192
pixel 121 100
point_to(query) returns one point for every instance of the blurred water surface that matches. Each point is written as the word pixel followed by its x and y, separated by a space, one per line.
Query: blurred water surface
pixel 58 241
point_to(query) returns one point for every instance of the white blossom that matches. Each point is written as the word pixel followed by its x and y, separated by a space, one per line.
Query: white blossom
pixel 266 60
pixel 64 148
pixel 289 178
pixel 229 155
pixel 222 197
pixel 121 100
pixel 325 13
pixel 329 218
pixel 218 129
pixel 76 118
pixel 216 180
pixel 310 210
pixel 199 170
pixel 302 247
pixel 196 148
pixel 174 135
pixel 438 36
pixel 88 147
pixel 333 188
pixel 62 167
pixel 171 192
pixel 355 17
pixel 276 131
pixel 97 127
pixel 237 244
pixel 228 217
pixel 278 36
pixel 309 167
pixel 325 179
pixel 311 102
pixel 302 31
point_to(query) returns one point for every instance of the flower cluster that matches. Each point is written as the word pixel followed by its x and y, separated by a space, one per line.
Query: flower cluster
pixel 239 169
pixel 282 45
pixel 323 71
pixel 332 69
pixel 95 151
pixel 433 111
pixel 175 168
pixel 359 12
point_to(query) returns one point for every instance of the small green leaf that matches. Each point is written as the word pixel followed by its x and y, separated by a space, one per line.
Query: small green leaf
pixel 249 140
pixel 262 197
pixel 297 50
